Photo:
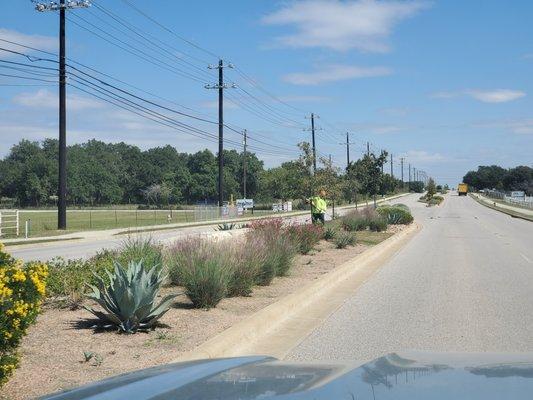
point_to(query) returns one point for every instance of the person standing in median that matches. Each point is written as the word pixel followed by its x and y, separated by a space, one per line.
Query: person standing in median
pixel 318 207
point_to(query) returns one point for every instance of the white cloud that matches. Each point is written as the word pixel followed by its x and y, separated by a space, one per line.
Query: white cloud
pixel 485 96
pixel 496 96
pixel 44 98
pixel 334 73
pixel 342 25
pixel 40 42
pixel 516 126
pixel 418 156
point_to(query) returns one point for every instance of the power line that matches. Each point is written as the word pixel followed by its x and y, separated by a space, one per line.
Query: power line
pixel 189 42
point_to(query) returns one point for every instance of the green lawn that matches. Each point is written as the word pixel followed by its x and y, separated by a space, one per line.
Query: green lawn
pixel 44 223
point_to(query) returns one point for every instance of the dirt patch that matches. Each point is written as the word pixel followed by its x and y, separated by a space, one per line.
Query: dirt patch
pixel 53 352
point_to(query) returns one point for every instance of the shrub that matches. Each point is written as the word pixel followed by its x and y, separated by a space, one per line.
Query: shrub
pixel 203 268
pixel 329 233
pixel 68 278
pixel 377 224
pixel 275 248
pixel 22 288
pixel 344 239
pixel 247 260
pixel 395 215
pixel 359 220
pixel 226 226
pixel 129 299
pixel 67 281
pixel 140 248
pixel 356 220
pixel 305 236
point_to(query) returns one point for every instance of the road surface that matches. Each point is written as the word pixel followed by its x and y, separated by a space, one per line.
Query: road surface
pixel 463 283
pixel 88 247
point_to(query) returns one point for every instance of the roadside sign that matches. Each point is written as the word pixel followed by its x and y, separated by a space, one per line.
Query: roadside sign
pixel 245 203
pixel 518 194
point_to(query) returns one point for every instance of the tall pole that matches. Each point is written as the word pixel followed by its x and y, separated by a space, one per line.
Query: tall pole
pixel 313 138
pixel 409 176
pixel 244 161
pixel 347 150
pixel 391 167
pixel 414 174
pixel 220 86
pixel 401 160
pixel 62 189
pixel 367 148
pixel 62 154
pixel 220 133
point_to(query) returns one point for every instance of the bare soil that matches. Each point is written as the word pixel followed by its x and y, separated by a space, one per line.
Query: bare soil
pixel 53 351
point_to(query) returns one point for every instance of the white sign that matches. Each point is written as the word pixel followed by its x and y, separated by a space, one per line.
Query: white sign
pixel 245 203
pixel 518 193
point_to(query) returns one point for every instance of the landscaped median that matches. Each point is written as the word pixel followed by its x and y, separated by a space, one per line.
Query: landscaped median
pixel 267 273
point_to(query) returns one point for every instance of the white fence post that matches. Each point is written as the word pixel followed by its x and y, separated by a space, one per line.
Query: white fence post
pixel 17 223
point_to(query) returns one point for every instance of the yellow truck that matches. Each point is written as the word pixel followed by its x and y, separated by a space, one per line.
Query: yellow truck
pixel 462 189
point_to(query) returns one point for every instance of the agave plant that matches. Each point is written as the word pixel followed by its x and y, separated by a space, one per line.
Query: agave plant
pixel 227 226
pixel 129 299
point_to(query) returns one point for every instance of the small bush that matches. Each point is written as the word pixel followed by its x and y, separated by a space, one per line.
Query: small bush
pixel 203 268
pixel 377 224
pixel 22 288
pixel 344 239
pixel 329 233
pixel 67 279
pixel 360 220
pixel 395 215
pixel 275 247
pixel 140 248
pixel 305 236
pixel 356 220
pixel 226 226
pixel 247 261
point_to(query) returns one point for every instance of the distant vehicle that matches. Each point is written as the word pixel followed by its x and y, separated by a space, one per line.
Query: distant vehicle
pixel 462 189
pixel 406 375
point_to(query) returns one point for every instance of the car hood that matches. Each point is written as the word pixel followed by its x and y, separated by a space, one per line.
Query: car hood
pixel 406 375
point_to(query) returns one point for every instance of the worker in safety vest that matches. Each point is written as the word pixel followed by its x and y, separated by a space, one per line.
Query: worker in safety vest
pixel 318 207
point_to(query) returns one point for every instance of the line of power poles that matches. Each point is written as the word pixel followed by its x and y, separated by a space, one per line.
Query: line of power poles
pixel 64 5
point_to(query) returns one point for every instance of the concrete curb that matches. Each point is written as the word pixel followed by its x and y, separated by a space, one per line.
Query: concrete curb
pixel 511 213
pixel 247 335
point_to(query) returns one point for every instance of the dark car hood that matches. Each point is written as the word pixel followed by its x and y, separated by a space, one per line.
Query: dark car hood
pixel 408 375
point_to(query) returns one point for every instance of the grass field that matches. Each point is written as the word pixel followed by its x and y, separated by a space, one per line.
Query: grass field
pixel 44 223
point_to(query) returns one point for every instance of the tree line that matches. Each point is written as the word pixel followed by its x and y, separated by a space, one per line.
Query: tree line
pixel 101 173
pixel 502 179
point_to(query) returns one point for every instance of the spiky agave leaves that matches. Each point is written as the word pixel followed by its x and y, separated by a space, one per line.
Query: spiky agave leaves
pixel 129 299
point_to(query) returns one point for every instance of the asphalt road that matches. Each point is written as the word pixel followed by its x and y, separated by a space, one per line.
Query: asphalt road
pixel 88 247
pixel 463 283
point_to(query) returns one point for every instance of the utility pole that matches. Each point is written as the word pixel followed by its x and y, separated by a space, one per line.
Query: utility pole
pixel 367 148
pixel 383 164
pixel 401 160
pixel 244 166
pixel 348 143
pixel 391 167
pixel 330 159
pixel 62 6
pixel 220 86
pixel 409 176
pixel 414 174
pixel 313 143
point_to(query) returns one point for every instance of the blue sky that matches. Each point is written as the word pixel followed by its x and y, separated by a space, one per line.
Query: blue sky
pixel 445 84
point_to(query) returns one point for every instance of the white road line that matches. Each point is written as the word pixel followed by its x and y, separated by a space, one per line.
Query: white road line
pixel 526 258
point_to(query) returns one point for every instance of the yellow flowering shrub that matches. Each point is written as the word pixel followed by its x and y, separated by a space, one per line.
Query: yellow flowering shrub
pixel 22 289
